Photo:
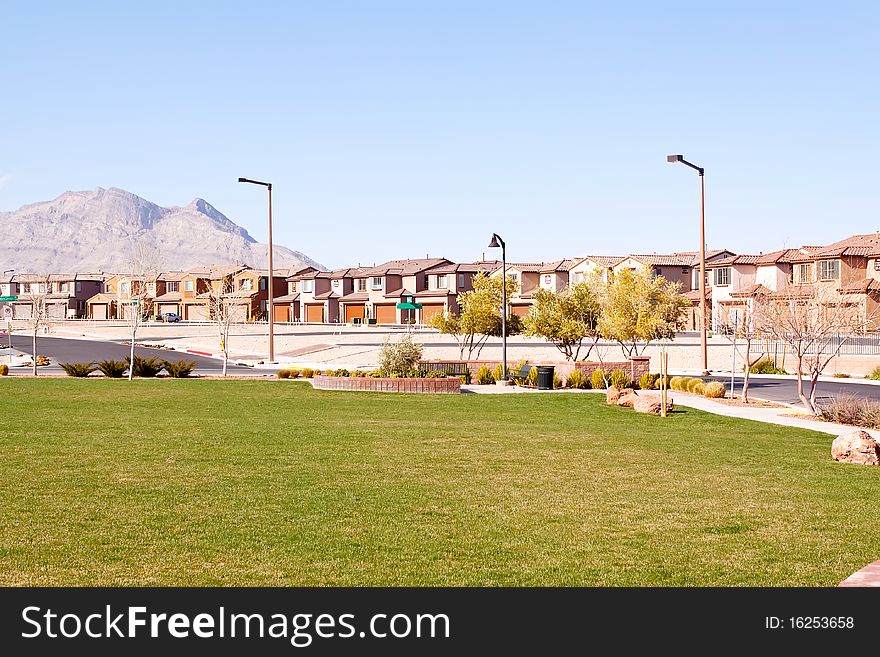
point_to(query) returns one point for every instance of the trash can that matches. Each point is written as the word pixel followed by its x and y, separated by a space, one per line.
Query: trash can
pixel 545 377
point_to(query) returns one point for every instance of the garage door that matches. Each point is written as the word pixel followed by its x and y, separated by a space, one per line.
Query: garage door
pixel 520 311
pixel 386 313
pixel 239 312
pixel 21 310
pixel 197 313
pixel 99 311
pixel 354 311
pixel 282 312
pixel 315 313
pixel 429 310
pixel 168 308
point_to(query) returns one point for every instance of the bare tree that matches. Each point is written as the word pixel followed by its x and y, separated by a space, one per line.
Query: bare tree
pixel 136 301
pixel 222 299
pixel 744 324
pixel 37 293
pixel 814 322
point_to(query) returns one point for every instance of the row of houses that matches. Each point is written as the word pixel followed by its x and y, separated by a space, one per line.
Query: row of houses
pixel 850 269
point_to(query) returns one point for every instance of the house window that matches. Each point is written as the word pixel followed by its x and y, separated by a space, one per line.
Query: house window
pixel 362 285
pixel 245 284
pixel 79 286
pixel 336 283
pixel 308 286
pixel 441 281
pixel 123 288
pixel 547 279
pixel 172 286
pixel 26 288
pixel 829 270
pixel 64 287
pixel 461 280
pixel 685 270
pixel 722 276
pixel 108 287
pixel 188 286
pixel 263 283
pixel 376 283
pixel 805 274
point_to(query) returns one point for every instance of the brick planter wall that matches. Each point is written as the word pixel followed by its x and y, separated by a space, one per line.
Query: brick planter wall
pixel 640 365
pixel 449 386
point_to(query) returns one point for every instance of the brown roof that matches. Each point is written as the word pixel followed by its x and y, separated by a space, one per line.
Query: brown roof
pixel 604 261
pixel 530 267
pixel 558 265
pixel 867 245
pixel 694 295
pixel 794 292
pixel 465 267
pixel 398 293
pixel 862 286
pixel 403 267
pixel 326 295
pixel 679 258
pixel 355 296
pixel 169 296
pixel 751 291
pixel 782 256
pixel 287 298
pixel 172 276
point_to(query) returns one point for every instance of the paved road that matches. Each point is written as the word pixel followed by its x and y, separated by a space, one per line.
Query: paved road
pixel 64 350
pixel 785 390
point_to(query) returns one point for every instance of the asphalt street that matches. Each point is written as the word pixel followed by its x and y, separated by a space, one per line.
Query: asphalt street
pixel 785 390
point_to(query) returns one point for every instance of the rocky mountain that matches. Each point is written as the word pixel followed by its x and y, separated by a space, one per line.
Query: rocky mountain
pixel 98 230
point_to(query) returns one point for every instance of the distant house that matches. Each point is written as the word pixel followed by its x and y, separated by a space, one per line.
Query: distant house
pixel 443 284
pixel 390 283
pixel 66 294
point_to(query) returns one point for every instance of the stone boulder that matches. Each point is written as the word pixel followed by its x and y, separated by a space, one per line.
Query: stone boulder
pixel 627 398
pixel 856 447
pixel 651 404
pixel 612 395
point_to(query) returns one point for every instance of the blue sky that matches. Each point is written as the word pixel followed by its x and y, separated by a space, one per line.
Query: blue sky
pixel 399 129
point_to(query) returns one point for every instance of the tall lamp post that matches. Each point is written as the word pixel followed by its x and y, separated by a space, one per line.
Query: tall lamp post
pixel 700 171
pixel 271 278
pixel 9 321
pixel 494 244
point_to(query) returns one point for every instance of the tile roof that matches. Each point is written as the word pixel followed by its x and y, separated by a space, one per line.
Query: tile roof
pixel 403 267
pixel 558 265
pixel 326 295
pixel 867 245
pixel 694 295
pixel 399 293
pixel 169 296
pixel 465 267
pixel 782 256
pixel 354 296
pixel 678 258
pixel 287 298
pixel 172 276
pixel 863 286
pixel 751 291
pixel 603 261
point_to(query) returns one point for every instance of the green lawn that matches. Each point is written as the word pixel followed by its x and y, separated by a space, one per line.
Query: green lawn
pixel 272 483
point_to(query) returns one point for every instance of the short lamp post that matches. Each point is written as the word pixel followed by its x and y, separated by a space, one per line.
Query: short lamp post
pixel 494 244
pixel 271 278
pixel 700 171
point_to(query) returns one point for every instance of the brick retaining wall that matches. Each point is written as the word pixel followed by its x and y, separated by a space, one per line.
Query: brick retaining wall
pixel 640 365
pixel 448 386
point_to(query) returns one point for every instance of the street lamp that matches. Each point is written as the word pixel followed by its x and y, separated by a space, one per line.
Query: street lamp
pixel 271 302
pixel 700 171
pixel 494 244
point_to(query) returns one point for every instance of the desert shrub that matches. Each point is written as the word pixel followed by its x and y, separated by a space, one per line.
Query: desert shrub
pixel 180 369
pixel 714 390
pixel 532 378
pixel 79 370
pixel 114 369
pixel 4 369
pixel 577 380
pixel 874 374
pixel 840 375
pixel 675 382
pixel 358 374
pixel 400 359
pixel 339 372
pixel 283 374
pixel 557 381
pixel 696 387
pixel 318 372
pixel 620 379
pixel 485 376
pixel 766 366
pixel 145 367
pixel 295 372
pixel 597 380
pixel 659 378
pixel 375 374
pixel 498 372
pixel 513 372
pixel 851 410
pixel 308 372
pixel 435 374
pixel 647 380
pixel 692 384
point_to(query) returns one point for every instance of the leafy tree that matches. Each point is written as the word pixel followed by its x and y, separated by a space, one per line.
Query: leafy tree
pixel 567 318
pixel 479 317
pixel 638 308
pixel 400 359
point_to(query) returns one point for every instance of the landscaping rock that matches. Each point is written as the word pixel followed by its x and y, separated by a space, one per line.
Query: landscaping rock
pixel 627 398
pixel 650 404
pixel 856 447
pixel 612 395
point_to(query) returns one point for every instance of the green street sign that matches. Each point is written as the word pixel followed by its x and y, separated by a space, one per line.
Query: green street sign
pixel 12 298
pixel 409 306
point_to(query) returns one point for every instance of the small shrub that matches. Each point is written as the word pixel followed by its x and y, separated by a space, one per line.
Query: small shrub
pixel 318 372
pixel 358 374
pixel 340 372
pixel 874 374
pixel 647 381
pixel 375 374
pixel 692 385
pixel 283 374
pixel 295 372
pixel 113 369
pixel 557 381
pixel 714 390
pixel 840 375
pixel 577 380
pixel 659 379
pixel 498 372
pixel 4 369
pixel 180 369
pixel 145 367
pixel 675 382
pixel 597 380
pixel 620 379
pixel 466 377
pixel 435 374
pixel 79 370
pixel 400 358
pixel 485 376
pixel 766 366
pixel 851 410
pixel 513 372
pixel 308 372
pixel 532 378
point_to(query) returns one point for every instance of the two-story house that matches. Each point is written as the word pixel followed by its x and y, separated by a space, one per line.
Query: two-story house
pixel 527 276
pixel 443 284
pixel 287 306
pixel 249 298
pixel 388 284
pixel 118 294
pixel 585 268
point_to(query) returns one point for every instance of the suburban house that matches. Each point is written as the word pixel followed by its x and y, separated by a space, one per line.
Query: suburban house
pixel 527 276
pixel 66 295
pixel 444 283
pixel 249 296
pixel 390 283
pixel 321 293
pixel 584 268
pixel 185 294
pixel 115 300
pixel 287 306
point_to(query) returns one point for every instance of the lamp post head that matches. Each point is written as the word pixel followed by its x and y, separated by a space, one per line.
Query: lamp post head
pixel 493 244
pixel 674 158
pixel 242 180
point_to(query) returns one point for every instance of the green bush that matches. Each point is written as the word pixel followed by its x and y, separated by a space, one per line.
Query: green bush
pixel 557 381
pixel 714 390
pixel 577 380
pixel 840 375
pixel 466 377
pixel 766 366
pixel 647 381
pixel 358 374
pixel 498 372
pixel 113 369
pixel 180 369
pixel 620 379
pixel 339 372
pixel 874 374
pixel 693 383
pixel 283 374
pixel 532 378
pixel 308 372
pixel 79 370
pixel 659 378
pixel 675 383
pixel 435 374
pixel 513 372
pixel 145 367
pixel 597 380
pixel 4 369
pixel 400 359
pixel 295 372
pixel 485 376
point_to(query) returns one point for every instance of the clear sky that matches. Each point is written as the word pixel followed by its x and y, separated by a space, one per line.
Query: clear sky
pixel 405 128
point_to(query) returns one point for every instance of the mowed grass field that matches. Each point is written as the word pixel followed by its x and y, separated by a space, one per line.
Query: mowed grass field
pixel 272 483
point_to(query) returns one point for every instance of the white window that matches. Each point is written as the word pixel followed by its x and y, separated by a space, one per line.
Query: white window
pixel 246 284
pixel 336 283
pixel 376 283
pixel 123 287
pixel 829 270
pixel 441 281
pixel 188 286
pixel 64 287
pixel 578 277
pixel 805 273
pixel 547 279
pixel 173 286
pixel 308 286
pixel 722 276
pixel 461 280
pixel 362 285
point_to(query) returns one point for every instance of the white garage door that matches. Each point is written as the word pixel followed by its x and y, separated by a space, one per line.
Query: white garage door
pixel 239 312
pixel 167 308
